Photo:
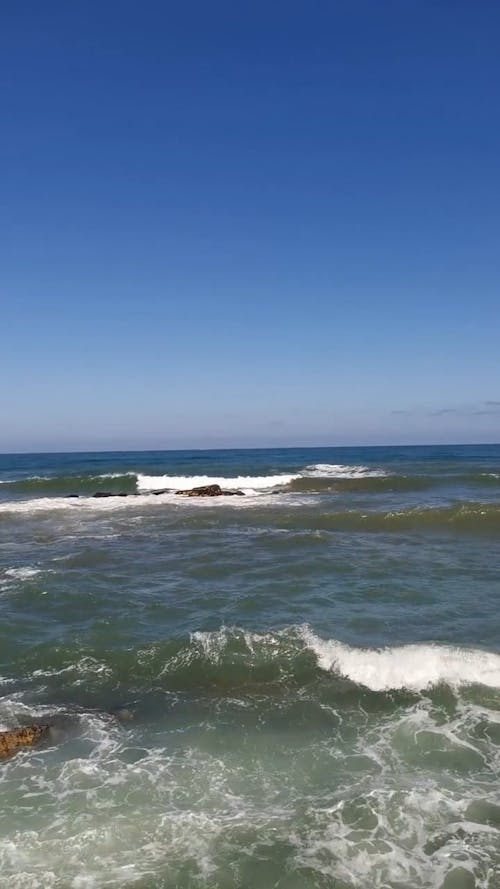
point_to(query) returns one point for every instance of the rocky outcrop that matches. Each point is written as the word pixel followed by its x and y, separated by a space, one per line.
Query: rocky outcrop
pixel 204 491
pixel 210 491
pixel 17 738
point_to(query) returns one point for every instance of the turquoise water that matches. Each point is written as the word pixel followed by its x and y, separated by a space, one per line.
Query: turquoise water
pixel 295 688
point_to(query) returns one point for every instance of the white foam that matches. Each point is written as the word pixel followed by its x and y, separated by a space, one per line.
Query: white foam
pixel 184 482
pixel 338 470
pixel 413 667
pixel 28 478
pixel 114 475
pixel 113 805
pixel 22 573
pixel 86 504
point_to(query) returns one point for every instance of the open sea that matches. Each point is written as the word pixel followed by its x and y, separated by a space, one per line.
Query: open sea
pixel 292 689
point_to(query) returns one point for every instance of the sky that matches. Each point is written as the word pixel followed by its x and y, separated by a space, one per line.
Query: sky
pixel 249 224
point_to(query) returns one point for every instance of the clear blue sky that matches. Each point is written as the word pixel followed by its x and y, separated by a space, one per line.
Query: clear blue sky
pixel 249 223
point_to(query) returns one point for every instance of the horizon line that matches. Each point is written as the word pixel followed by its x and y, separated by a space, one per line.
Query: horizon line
pixel 450 444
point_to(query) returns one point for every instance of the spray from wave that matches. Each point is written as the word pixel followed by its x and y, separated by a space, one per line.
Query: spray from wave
pixel 411 667
pixel 183 482
pixel 337 470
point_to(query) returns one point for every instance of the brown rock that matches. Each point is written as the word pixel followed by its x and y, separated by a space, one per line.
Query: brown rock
pixel 209 491
pixel 204 491
pixel 13 740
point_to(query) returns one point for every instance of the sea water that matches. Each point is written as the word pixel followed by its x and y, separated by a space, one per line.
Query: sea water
pixel 294 688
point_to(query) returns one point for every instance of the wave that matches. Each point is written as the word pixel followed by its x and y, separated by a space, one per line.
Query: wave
pixel 317 478
pixel 253 483
pixel 361 484
pixel 232 657
pixel 256 482
pixel 71 484
pixel 243 482
pixel 411 667
pixel 466 517
pixel 462 517
pixel 338 470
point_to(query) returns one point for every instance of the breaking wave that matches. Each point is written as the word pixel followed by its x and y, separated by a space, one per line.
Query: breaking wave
pixel 242 482
pixel 70 484
pixel 270 752
pixel 410 667
pixel 233 657
pixel 316 478
pixel 466 517
pixel 338 470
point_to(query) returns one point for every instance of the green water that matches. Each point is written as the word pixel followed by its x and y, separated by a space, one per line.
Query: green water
pixel 295 688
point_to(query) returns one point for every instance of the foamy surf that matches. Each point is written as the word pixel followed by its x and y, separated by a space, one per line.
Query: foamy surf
pixel 338 470
pixel 184 482
pixel 25 572
pixel 256 483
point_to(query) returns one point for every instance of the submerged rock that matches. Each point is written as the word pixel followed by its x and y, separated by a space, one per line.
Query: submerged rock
pixel 15 739
pixel 204 491
pixel 210 491
pixel 112 494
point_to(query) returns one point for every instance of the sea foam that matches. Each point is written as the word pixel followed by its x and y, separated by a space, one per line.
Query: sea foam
pixel 338 470
pixel 412 667
pixel 183 482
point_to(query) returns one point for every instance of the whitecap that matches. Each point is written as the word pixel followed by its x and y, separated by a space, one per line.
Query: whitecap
pixel 338 470
pixel 413 667
pixel 242 482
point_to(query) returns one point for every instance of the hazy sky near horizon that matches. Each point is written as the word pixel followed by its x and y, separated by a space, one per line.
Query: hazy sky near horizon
pixel 249 224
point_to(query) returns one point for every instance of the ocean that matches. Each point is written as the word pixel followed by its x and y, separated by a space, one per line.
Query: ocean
pixel 295 688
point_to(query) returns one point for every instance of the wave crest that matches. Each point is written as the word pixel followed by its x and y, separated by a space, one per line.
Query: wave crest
pixel 232 657
pixel 183 482
pixel 412 667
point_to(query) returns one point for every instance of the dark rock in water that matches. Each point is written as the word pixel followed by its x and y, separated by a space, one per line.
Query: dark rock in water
pixel 109 494
pixel 17 738
pixel 72 495
pixel 204 491
pixel 124 714
pixel 210 491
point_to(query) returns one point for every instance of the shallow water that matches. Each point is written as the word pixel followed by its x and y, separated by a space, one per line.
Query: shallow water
pixel 296 688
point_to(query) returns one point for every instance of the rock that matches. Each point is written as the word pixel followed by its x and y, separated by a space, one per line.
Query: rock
pixel 124 714
pixel 210 491
pixel 17 738
pixel 204 491
pixel 109 494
